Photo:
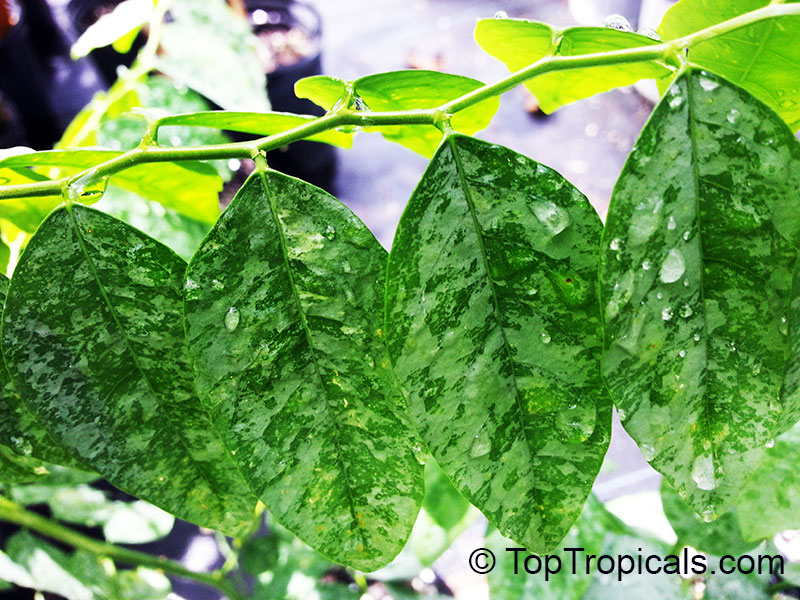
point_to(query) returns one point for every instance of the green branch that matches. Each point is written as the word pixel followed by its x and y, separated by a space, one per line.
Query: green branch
pixel 14 513
pixel 434 116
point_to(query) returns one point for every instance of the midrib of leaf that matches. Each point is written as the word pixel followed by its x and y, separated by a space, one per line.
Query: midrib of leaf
pixel 696 181
pixel 115 318
pixel 496 304
pixel 299 307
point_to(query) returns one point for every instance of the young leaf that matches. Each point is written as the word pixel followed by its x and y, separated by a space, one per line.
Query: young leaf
pixel 493 328
pixel 519 43
pixel 257 123
pixel 25 213
pixel 93 337
pixel 406 90
pixel 190 188
pixel 283 312
pixel 128 16
pixel 761 57
pixel 696 278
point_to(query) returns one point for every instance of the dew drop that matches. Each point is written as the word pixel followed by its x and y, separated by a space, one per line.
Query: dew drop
pixel 190 284
pixel 666 313
pixel 659 295
pixel 501 14
pixel 648 452
pixel 687 234
pixel 696 337
pixel 651 33
pixel 545 337
pixel 575 423
pixel 686 311
pixel 676 101
pixel 617 22
pixel 481 444
pixel 708 85
pixel 733 115
pixel 330 232
pixel 682 353
pixel 783 327
pixel 673 267
pixel 646 265
pixel 346 267
pixel 671 223
pixel 231 318
pixel 217 284
pixel 615 244
pixel 703 472
pixel 553 217
pixel 770 444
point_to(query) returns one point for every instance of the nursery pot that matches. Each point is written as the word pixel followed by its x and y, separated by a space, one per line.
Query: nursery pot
pixel 82 14
pixel 24 82
pixel 289 36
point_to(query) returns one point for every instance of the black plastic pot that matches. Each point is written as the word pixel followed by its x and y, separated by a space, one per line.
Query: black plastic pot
pixel 24 81
pixel 82 14
pixel 311 161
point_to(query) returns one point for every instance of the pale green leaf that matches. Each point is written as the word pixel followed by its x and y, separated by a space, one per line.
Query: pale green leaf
pixel 519 43
pixel 190 188
pixel 493 329
pixel 95 305
pixel 125 19
pixel 696 280
pixel 283 315
pixel 257 123
pixel 407 90
pixel 762 57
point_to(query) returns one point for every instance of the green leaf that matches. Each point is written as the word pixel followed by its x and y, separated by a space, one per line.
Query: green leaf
pixel 20 431
pixel 93 337
pixel 260 554
pixel 257 123
pixel 15 468
pixel 322 90
pixel 407 90
pixel 493 329
pixel 190 188
pixel 739 585
pixel 722 536
pixel 283 314
pixel 33 563
pixel 229 55
pixel 442 501
pixel 127 17
pixel 761 57
pixel 24 213
pixel 519 43
pixel 696 279
pixel 771 501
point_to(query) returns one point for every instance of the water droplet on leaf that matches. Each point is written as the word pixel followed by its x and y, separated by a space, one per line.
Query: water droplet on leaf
pixel 617 22
pixel 231 318
pixel 703 472
pixel 545 337
pixel 330 232
pixel 553 217
pixel 673 267
pixel 708 85
pixel 481 444
pixel 666 313
pixel 575 423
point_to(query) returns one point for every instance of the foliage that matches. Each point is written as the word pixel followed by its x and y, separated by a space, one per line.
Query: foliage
pixel 275 355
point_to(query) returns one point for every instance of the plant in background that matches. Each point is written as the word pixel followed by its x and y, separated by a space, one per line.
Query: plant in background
pixel 292 364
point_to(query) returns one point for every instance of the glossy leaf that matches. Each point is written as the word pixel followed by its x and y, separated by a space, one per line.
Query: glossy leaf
pixel 20 431
pixel 258 124
pixel 406 90
pixel 323 90
pixel 190 188
pixel 722 536
pixel 283 315
pixel 761 57
pixel 493 329
pixel 696 279
pixel 519 43
pixel 24 213
pixel 94 306
pixel 229 55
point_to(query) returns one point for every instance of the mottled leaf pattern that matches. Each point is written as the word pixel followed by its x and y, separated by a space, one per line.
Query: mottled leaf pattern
pixel 283 310
pixel 19 430
pixel 695 284
pixel 493 328
pixel 93 338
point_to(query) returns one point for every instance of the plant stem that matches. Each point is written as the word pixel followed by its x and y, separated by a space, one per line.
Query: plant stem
pixel 14 513
pixel 655 52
